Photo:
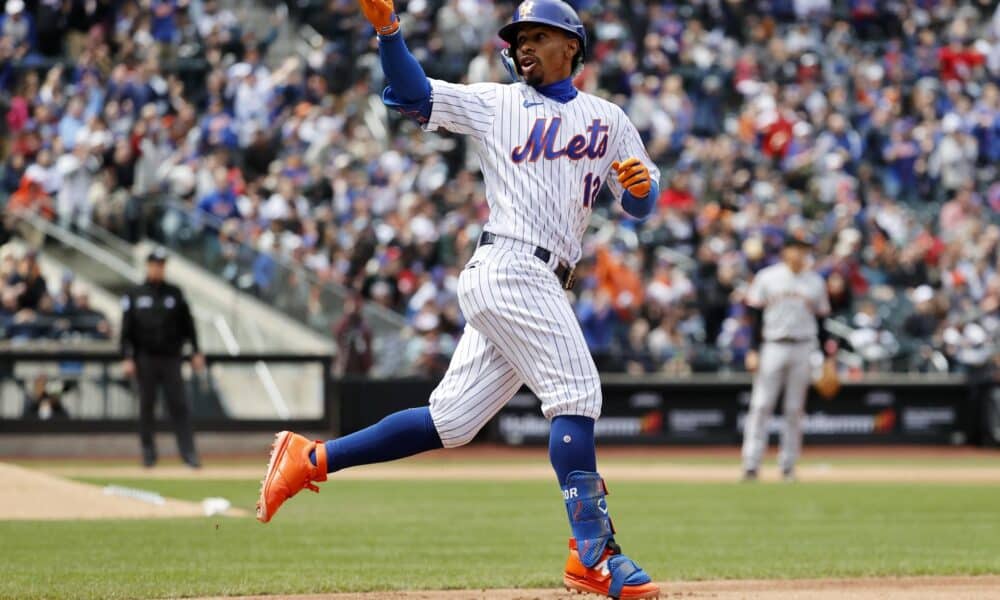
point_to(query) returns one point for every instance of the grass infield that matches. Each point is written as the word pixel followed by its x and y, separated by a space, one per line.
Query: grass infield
pixel 368 535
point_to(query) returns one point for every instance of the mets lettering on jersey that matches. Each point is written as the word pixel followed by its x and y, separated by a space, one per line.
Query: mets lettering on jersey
pixel 542 140
pixel 534 196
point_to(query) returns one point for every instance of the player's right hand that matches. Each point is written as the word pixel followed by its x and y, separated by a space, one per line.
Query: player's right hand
pixel 128 367
pixel 382 15
pixel 752 361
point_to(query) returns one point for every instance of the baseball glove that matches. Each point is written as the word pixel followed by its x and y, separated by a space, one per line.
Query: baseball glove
pixel 828 383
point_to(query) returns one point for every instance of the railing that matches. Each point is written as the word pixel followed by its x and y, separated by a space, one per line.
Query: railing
pixel 114 256
pixel 694 409
pixel 228 395
pixel 117 264
pixel 289 287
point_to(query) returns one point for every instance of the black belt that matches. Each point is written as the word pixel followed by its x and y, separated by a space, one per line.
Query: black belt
pixel 788 340
pixel 564 273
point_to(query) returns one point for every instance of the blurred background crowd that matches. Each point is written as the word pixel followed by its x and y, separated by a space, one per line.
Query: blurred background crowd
pixel 873 125
pixel 33 309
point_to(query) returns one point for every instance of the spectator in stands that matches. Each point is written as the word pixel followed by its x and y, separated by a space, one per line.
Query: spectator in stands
pixel 18 27
pixel 28 284
pixel 76 170
pixel 354 340
pixel 30 195
pixel 43 402
pixel 85 321
pixel 924 321
pixel 221 202
pixel 265 269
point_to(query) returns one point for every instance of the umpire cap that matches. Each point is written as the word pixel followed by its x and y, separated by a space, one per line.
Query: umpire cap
pixel 157 254
pixel 554 13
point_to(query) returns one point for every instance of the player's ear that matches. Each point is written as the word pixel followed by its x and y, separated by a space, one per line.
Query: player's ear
pixel 572 47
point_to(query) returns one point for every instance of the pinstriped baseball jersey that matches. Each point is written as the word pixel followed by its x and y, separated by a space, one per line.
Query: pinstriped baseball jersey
pixel 790 301
pixel 543 161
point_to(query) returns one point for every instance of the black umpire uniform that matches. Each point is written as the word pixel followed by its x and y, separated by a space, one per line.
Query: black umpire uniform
pixel 156 322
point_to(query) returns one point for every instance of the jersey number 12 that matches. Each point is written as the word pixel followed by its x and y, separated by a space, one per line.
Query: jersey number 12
pixel 591 185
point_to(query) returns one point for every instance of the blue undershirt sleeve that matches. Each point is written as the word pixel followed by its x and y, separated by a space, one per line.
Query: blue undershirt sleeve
pixel 409 91
pixel 640 208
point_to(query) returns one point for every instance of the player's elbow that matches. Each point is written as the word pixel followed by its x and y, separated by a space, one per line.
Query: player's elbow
pixel 393 97
pixel 420 110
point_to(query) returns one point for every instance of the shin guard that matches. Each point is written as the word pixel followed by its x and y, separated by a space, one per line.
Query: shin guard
pixel 588 515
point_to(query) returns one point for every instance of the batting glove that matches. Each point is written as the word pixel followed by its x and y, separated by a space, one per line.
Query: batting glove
pixel 634 176
pixel 382 15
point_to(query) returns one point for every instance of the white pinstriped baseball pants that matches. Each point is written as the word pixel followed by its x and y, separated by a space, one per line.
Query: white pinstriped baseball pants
pixel 520 329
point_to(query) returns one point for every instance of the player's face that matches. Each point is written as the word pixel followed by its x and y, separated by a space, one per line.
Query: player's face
pixel 545 54
pixel 795 257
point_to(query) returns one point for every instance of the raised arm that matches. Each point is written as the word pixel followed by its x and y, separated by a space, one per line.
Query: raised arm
pixel 409 91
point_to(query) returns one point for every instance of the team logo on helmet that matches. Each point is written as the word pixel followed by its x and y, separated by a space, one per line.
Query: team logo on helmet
pixel 526 8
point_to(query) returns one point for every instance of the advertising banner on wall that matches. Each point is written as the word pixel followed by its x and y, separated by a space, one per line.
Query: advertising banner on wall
pixel 711 412
pixel 679 414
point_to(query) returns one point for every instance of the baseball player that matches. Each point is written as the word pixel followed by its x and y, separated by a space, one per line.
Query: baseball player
pixel 786 301
pixel 545 151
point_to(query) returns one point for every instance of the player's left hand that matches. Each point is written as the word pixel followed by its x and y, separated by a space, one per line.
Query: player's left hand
pixel 198 362
pixel 634 176
pixel 381 14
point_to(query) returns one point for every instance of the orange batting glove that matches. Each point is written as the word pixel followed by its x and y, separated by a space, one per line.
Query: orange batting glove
pixel 382 15
pixel 634 176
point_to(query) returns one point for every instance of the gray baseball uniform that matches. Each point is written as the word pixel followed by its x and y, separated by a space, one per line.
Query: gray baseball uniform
pixel 790 303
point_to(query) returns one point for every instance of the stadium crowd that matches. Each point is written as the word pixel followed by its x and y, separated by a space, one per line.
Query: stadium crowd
pixel 30 309
pixel 875 126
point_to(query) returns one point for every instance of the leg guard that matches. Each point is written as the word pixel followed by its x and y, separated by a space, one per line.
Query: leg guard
pixel 596 563
pixel 588 515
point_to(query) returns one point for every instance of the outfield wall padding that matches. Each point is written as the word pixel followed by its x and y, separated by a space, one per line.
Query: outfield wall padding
pixel 712 411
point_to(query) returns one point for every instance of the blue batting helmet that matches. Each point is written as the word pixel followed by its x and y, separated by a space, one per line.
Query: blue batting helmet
pixel 554 13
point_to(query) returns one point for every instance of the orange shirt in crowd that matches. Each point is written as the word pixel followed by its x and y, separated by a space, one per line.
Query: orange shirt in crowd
pixel 30 197
pixel 615 278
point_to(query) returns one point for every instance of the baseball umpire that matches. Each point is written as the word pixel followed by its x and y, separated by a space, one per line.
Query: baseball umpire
pixel 156 322
pixel 787 302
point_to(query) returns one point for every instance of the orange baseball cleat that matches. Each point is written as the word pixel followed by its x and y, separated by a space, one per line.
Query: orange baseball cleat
pixel 615 575
pixel 288 471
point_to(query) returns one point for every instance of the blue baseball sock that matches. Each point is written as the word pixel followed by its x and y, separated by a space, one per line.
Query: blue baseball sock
pixel 399 435
pixel 571 445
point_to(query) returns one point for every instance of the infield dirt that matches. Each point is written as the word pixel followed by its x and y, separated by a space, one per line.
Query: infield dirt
pixel 904 588
pixel 30 494
pixel 541 471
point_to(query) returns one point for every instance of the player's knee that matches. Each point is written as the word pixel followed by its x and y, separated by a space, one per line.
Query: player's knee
pixel 584 405
pixel 454 440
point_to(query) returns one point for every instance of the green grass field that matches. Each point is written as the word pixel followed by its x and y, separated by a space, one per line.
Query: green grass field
pixel 358 536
